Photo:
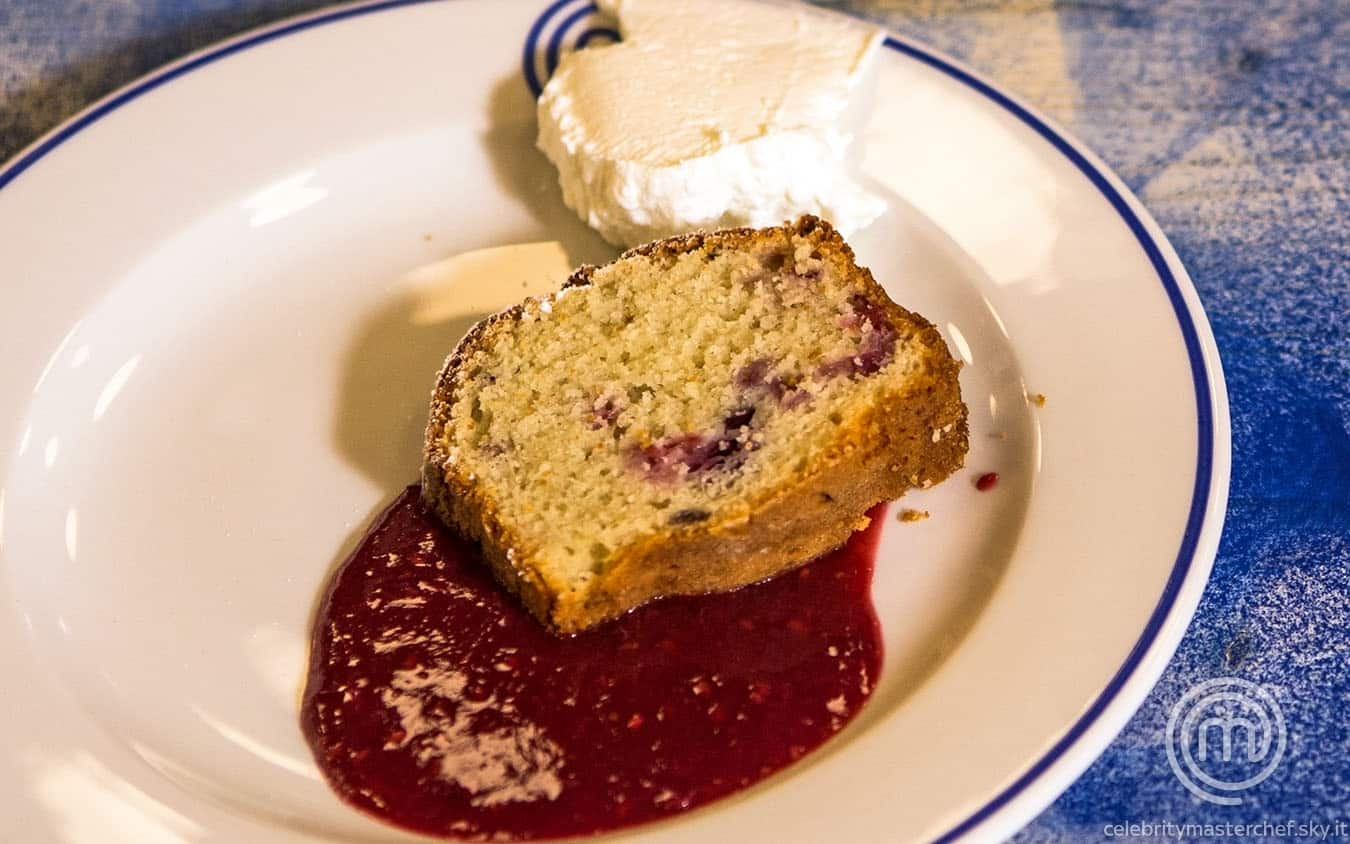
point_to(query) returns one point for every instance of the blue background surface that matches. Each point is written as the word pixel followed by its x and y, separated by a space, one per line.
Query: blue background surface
pixel 1231 120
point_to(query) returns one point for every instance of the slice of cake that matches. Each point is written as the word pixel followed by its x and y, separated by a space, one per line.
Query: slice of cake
pixel 703 413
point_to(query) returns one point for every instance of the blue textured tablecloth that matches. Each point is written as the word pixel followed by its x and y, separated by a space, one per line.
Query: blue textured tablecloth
pixel 1232 121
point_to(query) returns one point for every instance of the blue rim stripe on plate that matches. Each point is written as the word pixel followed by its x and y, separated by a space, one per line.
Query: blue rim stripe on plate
pixel 156 78
pixel 598 32
pixel 551 57
pixel 527 59
pixel 1204 423
pixel 1189 333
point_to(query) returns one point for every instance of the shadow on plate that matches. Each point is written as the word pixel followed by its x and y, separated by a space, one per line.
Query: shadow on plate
pixel 524 173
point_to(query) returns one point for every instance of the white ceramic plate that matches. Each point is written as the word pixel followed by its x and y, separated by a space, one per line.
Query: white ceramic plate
pixel 217 354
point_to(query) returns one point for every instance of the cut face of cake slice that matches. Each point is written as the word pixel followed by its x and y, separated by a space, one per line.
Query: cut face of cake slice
pixel 703 413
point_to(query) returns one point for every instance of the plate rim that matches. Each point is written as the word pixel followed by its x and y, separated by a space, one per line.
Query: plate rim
pixel 1171 615
pixel 1043 779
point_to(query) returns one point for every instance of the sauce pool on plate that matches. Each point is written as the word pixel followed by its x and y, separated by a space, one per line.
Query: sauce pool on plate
pixel 436 703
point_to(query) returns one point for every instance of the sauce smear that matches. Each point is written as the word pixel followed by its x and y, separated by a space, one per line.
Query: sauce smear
pixel 436 703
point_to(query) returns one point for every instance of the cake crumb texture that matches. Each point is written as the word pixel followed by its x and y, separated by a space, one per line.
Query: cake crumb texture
pixel 704 412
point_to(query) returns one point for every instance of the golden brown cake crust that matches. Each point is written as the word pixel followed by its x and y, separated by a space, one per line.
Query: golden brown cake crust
pixel 915 437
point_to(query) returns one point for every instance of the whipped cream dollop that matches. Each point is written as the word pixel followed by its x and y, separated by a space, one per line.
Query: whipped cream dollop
pixel 711 113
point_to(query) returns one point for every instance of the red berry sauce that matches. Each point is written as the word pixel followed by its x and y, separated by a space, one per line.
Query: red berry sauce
pixel 987 481
pixel 436 703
